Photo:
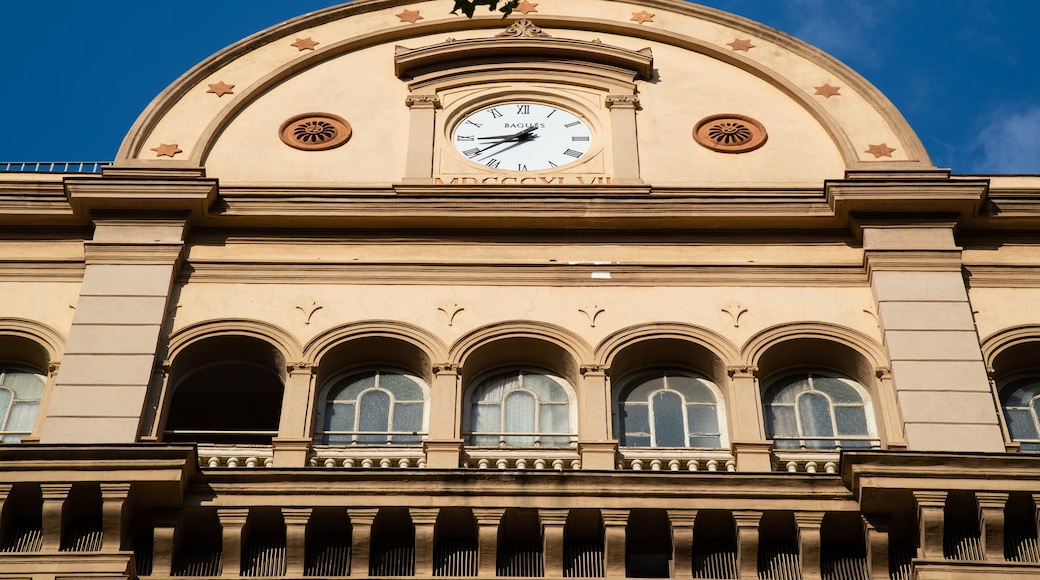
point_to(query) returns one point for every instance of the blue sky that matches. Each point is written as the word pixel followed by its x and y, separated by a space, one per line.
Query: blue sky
pixel 965 73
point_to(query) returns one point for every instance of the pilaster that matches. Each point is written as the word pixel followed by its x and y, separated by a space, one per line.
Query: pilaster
pixel 296 519
pixel 747 522
pixel 425 521
pixel 624 138
pixel 931 518
pixel 992 505
pixel 361 521
pixel 54 496
pixel 554 521
pixel 443 447
pixel 809 543
pixel 488 520
pixel 877 528
pixel 614 524
pixel 232 522
pixel 113 504
pixel 682 542
pixel 422 111
pixel 164 540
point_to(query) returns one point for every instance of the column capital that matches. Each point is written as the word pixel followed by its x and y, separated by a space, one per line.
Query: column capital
pixel 809 519
pixel 301 367
pixel 742 371
pixel 747 518
pixel 422 101
pixel 488 516
pixel 682 518
pixel 424 516
pixel 296 516
pixel 114 491
pixel 363 516
pixel 55 491
pixel 447 368
pixel 594 369
pixel 233 516
pixel 614 517
pixel 990 500
pixel 930 498
pixel 553 517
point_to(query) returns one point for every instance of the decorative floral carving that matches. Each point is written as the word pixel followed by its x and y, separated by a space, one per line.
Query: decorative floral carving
pixel 592 312
pixel 523 29
pixel 622 101
pixel 730 133
pixel 308 311
pixel 315 131
pixel 450 310
pixel 735 311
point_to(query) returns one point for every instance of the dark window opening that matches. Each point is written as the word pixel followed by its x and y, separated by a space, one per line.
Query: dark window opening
pixel 714 545
pixel 328 543
pixel 226 404
pixel 520 544
pixel 583 544
pixel 455 543
pixel 393 544
pixel 648 544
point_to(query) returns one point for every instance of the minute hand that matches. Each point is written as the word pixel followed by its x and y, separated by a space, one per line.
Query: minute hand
pixel 526 130
pixel 512 137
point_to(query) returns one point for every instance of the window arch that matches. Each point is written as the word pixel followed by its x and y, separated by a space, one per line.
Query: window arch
pixel 20 392
pixel 226 403
pixel 1020 400
pixel 669 409
pixel 813 410
pixel 373 408
pixel 521 408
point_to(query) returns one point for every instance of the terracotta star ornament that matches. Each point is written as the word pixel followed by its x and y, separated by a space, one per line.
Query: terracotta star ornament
pixel 165 150
pixel 220 89
pixel 743 44
pixel 526 7
pixel 827 91
pixel 641 17
pixel 410 16
pixel 303 44
pixel 881 150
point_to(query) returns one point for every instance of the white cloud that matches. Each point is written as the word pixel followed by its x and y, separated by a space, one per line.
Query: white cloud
pixel 1010 143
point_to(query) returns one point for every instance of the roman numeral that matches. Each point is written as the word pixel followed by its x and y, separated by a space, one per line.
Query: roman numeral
pixel 579 138
pixel 521 167
pixel 478 125
pixel 471 152
pixel 572 124
pixel 553 164
pixel 494 113
pixel 572 153
pixel 523 109
pixel 493 163
pixel 464 138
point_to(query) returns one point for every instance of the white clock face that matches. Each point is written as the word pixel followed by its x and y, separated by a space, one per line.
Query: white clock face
pixel 522 136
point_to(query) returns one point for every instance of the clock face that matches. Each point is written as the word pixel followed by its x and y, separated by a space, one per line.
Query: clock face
pixel 522 136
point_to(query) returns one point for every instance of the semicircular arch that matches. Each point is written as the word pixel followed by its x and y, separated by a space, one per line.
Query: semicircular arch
pixel 573 344
pixel 758 344
pixel 45 336
pixel 419 337
pixel 1002 340
pixel 239 327
pixel 712 341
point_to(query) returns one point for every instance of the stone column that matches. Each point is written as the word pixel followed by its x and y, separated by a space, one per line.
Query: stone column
pixel 100 390
pixel 296 519
pixel 931 517
pixel 293 443
pixel 614 540
pixel 418 167
pixel 443 446
pixel 232 522
pixel 425 522
pixel 809 543
pixel 682 542
pixel 113 500
pixel 624 139
pixel 750 447
pixel 164 540
pixel 488 520
pixel 554 521
pixel 54 496
pixel 597 447
pixel 877 528
pixel 992 505
pixel 747 522
pixel 929 332
pixel 361 521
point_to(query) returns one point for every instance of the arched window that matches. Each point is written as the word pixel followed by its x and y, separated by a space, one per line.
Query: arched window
pixel 1020 400
pixel 226 403
pixel 20 393
pixel 374 408
pixel 668 410
pixel 817 411
pixel 520 408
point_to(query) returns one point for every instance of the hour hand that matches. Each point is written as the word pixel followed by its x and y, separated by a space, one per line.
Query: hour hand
pixel 513 136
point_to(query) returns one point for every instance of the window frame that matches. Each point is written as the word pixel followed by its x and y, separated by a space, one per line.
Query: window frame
pixel 1001 386
pixel 872 437
pixel 642 375
pixel 467 418
pixel 321 404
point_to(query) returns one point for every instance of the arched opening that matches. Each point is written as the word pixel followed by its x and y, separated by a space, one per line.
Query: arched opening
pixel 263 543
pixel 22 381
pixel 393 543
pixel 778 547
pixel 197 543
pixel 226 390
pixel 520 544
pixel 81 527
pixel 648 544
pixel 583 544
pixel 714 545
pixel 1020 529
pixel 962 537
pixel 843 547
pixel 669 409
pixel 22 521
pixel 521 408
pixel 377 407
pixel 328 551
pixel 810 410
pixel 455 543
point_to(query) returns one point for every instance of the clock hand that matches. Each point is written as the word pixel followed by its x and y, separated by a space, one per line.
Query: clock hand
pixel 525 131
pixel 518 136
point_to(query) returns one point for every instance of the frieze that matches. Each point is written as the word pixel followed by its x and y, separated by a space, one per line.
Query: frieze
pixel 540 180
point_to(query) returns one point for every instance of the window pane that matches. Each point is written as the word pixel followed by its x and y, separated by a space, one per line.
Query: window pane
pixel 814 410
pixel 554 418
pixel 635 441
pixel 6 397
pixel 785 390
pixel 493 389
pixel 408 417
pixel 839 390
pixel 485 418
pixel 22 417
pixel 705 442
pixel 1019 393
pixel 519 417
pixel 851 420
pixel 780 421
pixel 633 420
pixel 25 385
pixel 695 390
pixel 702 419
pixel 545 388
pixel 1020 424
pixel 641 390
pixel 339 417
pixel 403 388
pixel 374 416
pixel 349 388
pixel 667 410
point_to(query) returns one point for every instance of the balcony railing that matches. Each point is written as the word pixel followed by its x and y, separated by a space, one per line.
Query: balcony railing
pixel 52 166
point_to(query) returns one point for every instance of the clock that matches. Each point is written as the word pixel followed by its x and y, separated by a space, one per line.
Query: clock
pixel 522 136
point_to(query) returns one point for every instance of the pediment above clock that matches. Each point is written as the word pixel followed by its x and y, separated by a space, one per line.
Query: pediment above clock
pixel 521 44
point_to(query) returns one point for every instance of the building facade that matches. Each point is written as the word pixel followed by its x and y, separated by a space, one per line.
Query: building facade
pixel 600 289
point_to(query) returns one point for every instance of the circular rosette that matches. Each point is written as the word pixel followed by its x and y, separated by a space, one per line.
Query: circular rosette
pixel 315 131
pixel 730 133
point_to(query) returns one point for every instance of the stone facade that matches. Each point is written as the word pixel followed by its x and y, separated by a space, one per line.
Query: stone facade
pixel 311 323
